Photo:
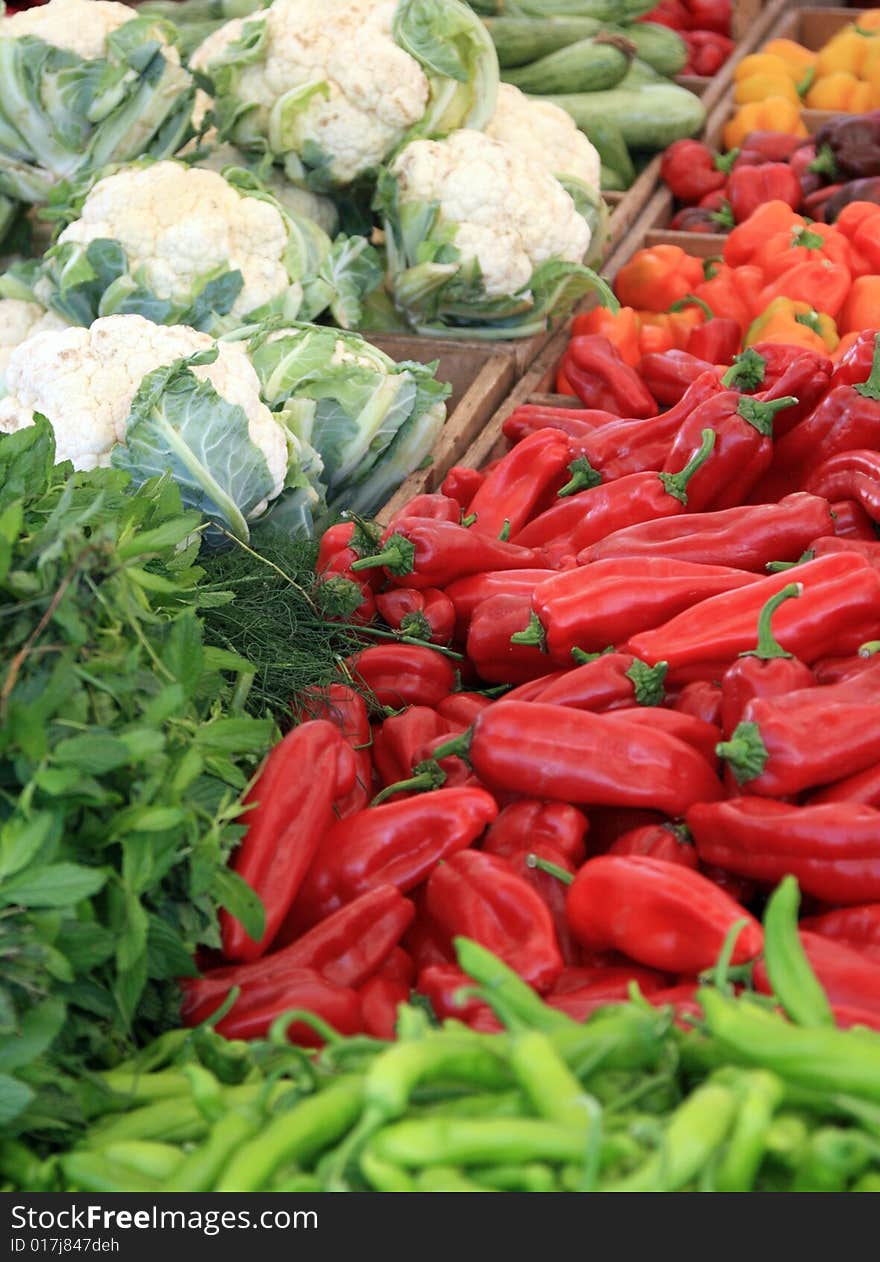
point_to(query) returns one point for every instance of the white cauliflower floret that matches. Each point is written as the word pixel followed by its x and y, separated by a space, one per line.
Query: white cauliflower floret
pixel 545 133
pixel 178 223
pixel 78 26
pixel 20 320
pixel 511 214
pixel 84 381
pixel 374 90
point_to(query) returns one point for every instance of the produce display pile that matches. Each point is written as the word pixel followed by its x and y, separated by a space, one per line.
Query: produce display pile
pixel 525 837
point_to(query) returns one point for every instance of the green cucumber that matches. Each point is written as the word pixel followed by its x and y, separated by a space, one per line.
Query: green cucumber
pixel 640 73
pixel 521 40
pixel 649 117
pixel 659 46
pixel 612 181
pixel 606 137
pixel 591 65
pixel 622 11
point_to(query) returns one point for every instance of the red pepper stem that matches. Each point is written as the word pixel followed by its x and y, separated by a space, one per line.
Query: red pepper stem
pixel 691 300
pixel 648 681
pixel 429 775
pixel 808 240
pixel 676 483
pixel 724 161
pixel 534 634
pixel 398 556
pixel 583 477
pixel 458 747
pixel 870 389
pixel 761 413
pixel 745 752
pixel 746 372
pixel 768 646
pixel 552 869
pixel 869 648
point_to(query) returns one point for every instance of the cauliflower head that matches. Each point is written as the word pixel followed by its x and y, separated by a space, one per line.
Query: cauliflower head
pixel 546 134
pixel 84 382
pixel 20 320
pixel 178 224
pixel 79 26
pixel 508 213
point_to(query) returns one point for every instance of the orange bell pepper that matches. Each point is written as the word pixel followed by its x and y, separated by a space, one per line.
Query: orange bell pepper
pixel 620 327
pixel 657 277
pixel 767 62
pixel 757 87
pixel 563 385
pixel 817 281
pixel 747 239
pixel 859 222
pixel 775 113
pixel 733 293
pixel 815 241
pixel 801 62
pixel 869 20
pixel 656 336
pixel 841 92
pixel 793 324
pixel 862 307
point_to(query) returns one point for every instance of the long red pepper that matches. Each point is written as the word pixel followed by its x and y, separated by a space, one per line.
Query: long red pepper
pixel 293 808
pixel 701 736
pixel 308 991
pixel 748 537
pixel 516 488
pixel 849 475
pixel 838 607
pixel 670 842
pixel 765 671
pixel 700 699
pixel 610 601
pixel 574 523
pixel 396 741
pixel 530 822
pixel 490 648
pixel 380 998
pixel 855 927
pixel 601 378
pixel 612 681
pixel 435 553
pixel 404 674
pixel 461 484
pixel 863 786
pixel 467 594
pixel 848 977
pixel 341 705
pixel 480 896
pixel 528 418
pixel 660 914
pixel 461 708
pixel 583 758
pixel 833 850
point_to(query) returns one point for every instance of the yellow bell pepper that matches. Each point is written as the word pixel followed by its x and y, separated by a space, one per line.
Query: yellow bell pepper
pixel 759 86
pixel 846 51
pixel 871 74
pixel 793 323
pixel 776 113
pixel 869 20
pixel 841 92
pixel 798 58
pixel 765 63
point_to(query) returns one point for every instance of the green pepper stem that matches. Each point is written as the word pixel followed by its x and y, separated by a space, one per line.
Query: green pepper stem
pixel 429 775
pixel 552 869
pixel 676 483
pixel 869 648
pixel 648 681
pixel 458 747
pixel 747 371
pixel 761 414
pixel 504 532
pixel 779 567
pixel 824 163
pixel 808 240
pixel 745 752
pixel 768 646
pixel 534 634
pixel 870 389
pixel 583 477
pixel 398 556
pixel 724 161
pixel 691 300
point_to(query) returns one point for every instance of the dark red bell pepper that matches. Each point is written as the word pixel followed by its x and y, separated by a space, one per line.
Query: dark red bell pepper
pixel 292 809
pixel 670 842
pixel 435 553
pixel 520 484
pixel 690 171
pixel 854 927
pixel 750 187
pixel 709 50
pixel 765 671
pixel 461 708
pixel 403 674
pixel 661 914
pixel 668 374
pixel 832 850
pixel 481 897
pixel 601 378
pixel 425 615
pixel 450 993
pixel 467 594
pixel 397 740
pixel 849 475
pixel 717 341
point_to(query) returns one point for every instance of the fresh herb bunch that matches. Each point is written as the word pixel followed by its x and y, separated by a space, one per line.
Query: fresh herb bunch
pixel 124 750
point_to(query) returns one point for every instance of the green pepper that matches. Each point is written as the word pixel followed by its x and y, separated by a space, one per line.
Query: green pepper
pixel 446 1179
pixel 759 1096
pixel 459 1141
pixel 794 983
pixel 531 1176
pixel 202 1167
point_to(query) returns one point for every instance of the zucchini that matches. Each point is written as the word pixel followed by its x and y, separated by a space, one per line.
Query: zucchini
pixel 521 40
pixel 612 150
pixel 622 11
pixel 639 73
pixel 591 65
pixel 650 117
pixel 659 46
pixel 612 181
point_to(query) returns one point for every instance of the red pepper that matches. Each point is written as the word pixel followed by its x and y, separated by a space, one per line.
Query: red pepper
pixel 748 537
pixel 695 219
pixel 609 601
pixel 621 327
pixel 461 484
pixel 852 475
pixel 609 823
pixel 346 709
pixel 709 50
pixel 765 671
pixel 804 282
pixel 838 607
pixel 397 844
pixel 689 170
pixel 833 850
pixel 530 822
pixel 346 948
pixel 612 979
pixel 852 527
pixel 467 594
pixel 699 735
pixel 528 418
pixel 733 293
pixel 768 146
pixel 656 277
pixel 742 452
pixel 807 377
pixel 701 699
pixel 863 786
pixel 670 842
pixel 583 758
pixel 404 674
pixel 380 998
pixel 292 802
pixel 396 741
pixel 423 943
pixel 671 13
pixel 578 520
pixel 435 507
pixel 802 243
pixel 603 380
pixel 435 553
pixel 854 927
pixel 339 548
pixel 520 483
pixel 750 187
pixel 306 990
pixel 716 341
pixel 496 658
pixel 856 365
pixel 481 897
pixel 660 914
pixel 849 978
pixel 461 708
pixel 774 750
pixel 446 987
pixel 611 681
pixel 457 773
pixel 548 888
pixel 668 375
pixel 425 615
